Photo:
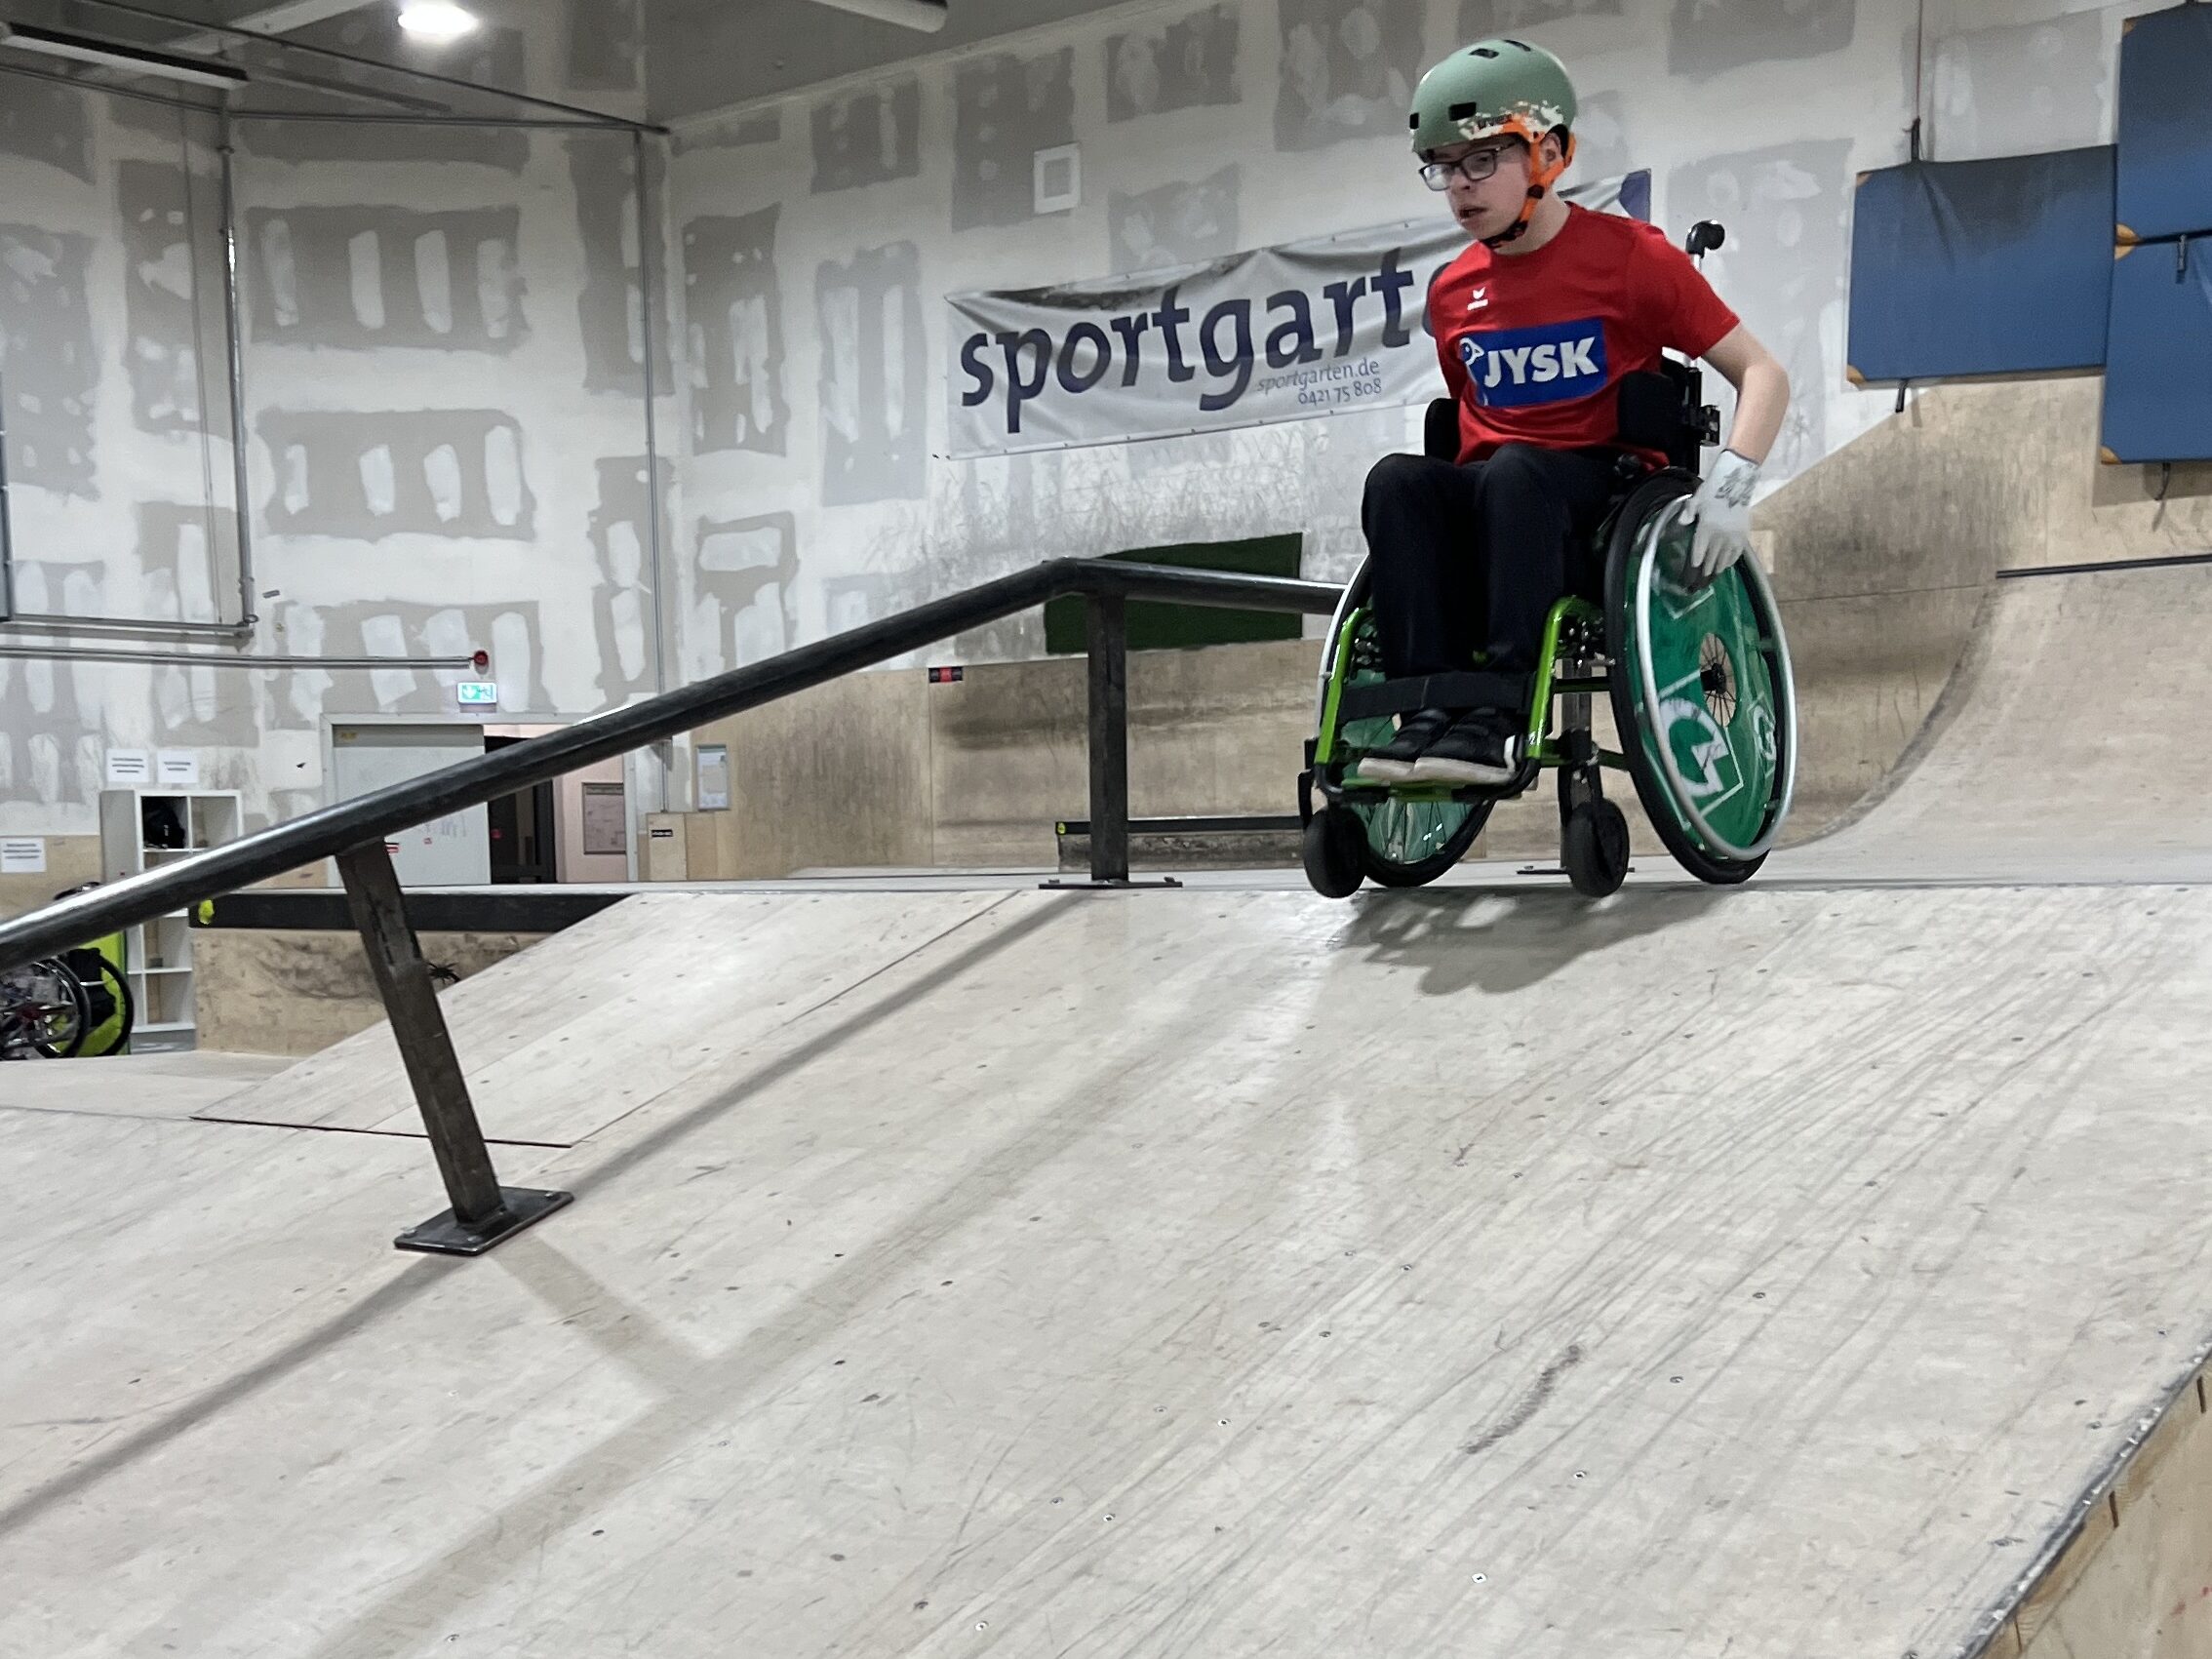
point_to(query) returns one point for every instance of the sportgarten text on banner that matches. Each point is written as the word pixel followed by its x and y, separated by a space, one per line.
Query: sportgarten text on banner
pixel 1277 333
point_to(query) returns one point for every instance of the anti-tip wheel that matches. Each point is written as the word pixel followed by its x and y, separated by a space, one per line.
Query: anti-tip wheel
pixel 1334 837
pixel 1594 849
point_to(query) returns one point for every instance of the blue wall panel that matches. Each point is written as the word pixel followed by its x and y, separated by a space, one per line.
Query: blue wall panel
pixel 2165 124
pixel 1982 267
pixel 2158 379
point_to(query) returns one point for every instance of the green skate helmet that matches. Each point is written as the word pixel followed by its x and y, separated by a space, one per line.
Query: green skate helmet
pixel 1498 88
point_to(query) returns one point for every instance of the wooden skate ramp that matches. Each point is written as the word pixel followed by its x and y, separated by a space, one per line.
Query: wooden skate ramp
pixel 1776 1273
pixel 2067 748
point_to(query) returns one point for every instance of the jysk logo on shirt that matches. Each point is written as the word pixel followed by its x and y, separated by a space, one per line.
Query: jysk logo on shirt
pixel 1514 368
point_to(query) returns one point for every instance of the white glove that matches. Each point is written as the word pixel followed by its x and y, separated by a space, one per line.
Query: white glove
pixel 1722 511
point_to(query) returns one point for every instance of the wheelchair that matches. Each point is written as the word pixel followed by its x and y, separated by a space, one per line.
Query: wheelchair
pixel 1697 678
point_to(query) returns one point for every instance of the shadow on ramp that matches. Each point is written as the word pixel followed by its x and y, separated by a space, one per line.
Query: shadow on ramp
pixel 1480 940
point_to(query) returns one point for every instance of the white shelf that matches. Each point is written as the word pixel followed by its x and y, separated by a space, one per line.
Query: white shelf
pixel 160 951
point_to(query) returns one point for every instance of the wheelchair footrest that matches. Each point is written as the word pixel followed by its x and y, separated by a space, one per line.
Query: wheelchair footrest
pixel 1465 690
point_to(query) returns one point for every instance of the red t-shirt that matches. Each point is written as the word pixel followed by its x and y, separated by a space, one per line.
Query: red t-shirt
pixel 1531 343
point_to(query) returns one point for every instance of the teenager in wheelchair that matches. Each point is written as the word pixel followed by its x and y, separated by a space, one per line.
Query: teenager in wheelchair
pixel 1555 541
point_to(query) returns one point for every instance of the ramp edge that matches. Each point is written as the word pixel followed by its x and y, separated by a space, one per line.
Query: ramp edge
pixel 2162 1472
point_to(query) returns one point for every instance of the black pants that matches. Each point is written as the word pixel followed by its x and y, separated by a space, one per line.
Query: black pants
pixel 1473 558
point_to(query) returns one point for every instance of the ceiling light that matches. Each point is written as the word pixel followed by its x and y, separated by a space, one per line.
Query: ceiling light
pixel 436 21
pixel 928 15
pixel 134 60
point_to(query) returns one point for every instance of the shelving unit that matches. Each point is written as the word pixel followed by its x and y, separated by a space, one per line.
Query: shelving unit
pixel 158 956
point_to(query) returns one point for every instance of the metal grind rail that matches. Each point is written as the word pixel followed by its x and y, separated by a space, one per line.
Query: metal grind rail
pixel 354 832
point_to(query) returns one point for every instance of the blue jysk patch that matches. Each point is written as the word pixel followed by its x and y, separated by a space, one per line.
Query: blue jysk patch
pixel 1514 368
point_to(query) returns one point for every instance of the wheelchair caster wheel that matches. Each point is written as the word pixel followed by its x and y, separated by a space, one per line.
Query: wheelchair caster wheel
pixel 1335 838
pixel 1594 849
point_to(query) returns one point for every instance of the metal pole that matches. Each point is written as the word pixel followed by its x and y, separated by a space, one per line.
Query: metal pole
pixel 652 420
pixel 241 660
pixel 434 118
pixel 246 615
pixel 483 1211
pixel 105 88
pixel 6 530
pixel 54 623
pixel 1106 617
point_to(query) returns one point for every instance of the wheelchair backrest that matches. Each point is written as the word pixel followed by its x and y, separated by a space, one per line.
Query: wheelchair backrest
pixel 1439 433
pixel 1663 409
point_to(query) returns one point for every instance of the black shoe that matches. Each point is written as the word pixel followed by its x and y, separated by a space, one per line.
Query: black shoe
pixel 1393 763
pixel 1483 747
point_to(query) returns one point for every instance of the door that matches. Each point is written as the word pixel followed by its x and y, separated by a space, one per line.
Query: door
pixel 524 845
pixel 453 851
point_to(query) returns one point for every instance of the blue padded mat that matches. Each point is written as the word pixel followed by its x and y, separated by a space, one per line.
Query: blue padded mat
pixel 2165 124
pixel 2158 379
pixel 1982 267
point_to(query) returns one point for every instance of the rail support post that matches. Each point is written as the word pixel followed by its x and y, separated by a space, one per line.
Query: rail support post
pixel 484 1213
pixel 1106 619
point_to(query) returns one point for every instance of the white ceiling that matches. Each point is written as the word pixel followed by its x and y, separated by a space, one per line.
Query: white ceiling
pixel 704 54
pixel 699 56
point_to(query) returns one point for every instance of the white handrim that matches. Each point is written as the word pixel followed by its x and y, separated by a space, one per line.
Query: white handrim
pixel 1786 696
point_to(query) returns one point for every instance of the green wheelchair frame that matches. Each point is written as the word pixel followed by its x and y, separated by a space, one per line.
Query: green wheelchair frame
pixel 1697 678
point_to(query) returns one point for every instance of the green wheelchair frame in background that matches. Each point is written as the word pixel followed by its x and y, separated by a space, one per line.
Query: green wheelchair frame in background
pixel 111 1035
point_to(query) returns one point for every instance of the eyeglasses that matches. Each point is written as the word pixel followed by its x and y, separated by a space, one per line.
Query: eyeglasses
pixel 1474 167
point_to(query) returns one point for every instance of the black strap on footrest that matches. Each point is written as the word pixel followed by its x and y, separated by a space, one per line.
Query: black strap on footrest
pixel 1465 690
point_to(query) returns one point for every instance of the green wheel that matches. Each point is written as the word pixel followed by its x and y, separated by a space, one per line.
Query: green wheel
pixel 1701 692
pixel 1411 843
pixel 1411 839
pixel 1406 840
pixel 43 1012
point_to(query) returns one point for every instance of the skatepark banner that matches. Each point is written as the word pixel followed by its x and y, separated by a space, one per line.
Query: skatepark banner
pixel 1278 333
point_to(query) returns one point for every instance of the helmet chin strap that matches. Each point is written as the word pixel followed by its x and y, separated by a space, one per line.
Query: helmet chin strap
pixel 1540 180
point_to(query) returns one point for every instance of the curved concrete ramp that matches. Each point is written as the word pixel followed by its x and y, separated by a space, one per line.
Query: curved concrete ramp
pixel 2071 746
pixel 1775 1273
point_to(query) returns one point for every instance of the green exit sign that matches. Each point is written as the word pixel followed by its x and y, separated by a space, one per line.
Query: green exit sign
pixel 479 693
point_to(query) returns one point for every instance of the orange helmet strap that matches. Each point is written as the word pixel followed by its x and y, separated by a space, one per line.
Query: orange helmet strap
pixel 1541 177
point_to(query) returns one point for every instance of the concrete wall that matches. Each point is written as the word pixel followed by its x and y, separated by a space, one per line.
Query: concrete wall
pixel 444 402
pixel 1206 127
pixel 70 860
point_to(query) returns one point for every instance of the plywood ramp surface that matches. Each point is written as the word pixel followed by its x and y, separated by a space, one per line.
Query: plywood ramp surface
pixel 1762 1273
pixel 609 1013
pixel 136 1085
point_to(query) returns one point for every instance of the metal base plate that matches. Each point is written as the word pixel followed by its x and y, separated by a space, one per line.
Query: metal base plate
pixel 1106 886
pixel 444 1236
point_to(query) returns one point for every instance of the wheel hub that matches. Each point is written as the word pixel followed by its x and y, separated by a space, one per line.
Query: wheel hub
pixel 1716 679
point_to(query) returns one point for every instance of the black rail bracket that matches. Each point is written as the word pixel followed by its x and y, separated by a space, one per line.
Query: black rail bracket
pixel 1123 885
pixel 446 1235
